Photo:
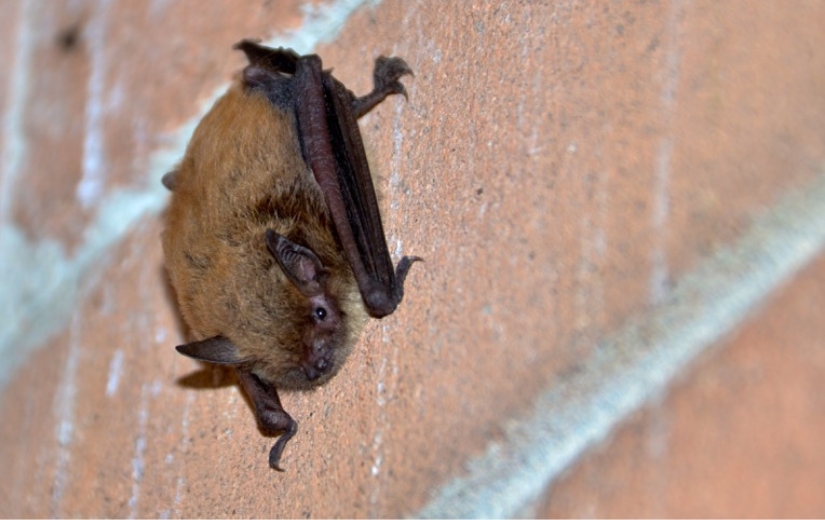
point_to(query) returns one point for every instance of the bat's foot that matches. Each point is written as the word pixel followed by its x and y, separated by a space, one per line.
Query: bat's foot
pixel 385 78
pixel 270 414
pixel 387 73
pixel 273 418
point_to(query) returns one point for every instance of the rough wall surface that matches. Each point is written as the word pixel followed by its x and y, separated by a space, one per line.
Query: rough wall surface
pixel 738 436
pixel 569 171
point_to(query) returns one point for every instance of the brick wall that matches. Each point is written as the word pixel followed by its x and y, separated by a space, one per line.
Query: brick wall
pixel 622 210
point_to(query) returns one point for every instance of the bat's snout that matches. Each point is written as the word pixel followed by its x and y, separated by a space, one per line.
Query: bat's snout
pixel 317 368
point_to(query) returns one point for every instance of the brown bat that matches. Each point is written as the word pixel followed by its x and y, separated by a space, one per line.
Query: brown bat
pixel 274 242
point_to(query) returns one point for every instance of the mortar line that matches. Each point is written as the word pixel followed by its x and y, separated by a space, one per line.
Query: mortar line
pixel 63 410
pixel 90 188
pixel 635 365
pixel 663 162
pixel 139 451
pixel 14 144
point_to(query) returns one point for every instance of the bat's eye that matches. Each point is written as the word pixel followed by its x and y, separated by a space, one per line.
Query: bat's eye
pixel 320 313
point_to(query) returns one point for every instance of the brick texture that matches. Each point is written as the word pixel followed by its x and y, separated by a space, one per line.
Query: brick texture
pixel 559 165
pixel 738 435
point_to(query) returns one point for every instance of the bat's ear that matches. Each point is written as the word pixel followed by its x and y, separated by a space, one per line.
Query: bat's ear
pixel 300 264
pixel 217 350
pixel 170 180
pixel 276 60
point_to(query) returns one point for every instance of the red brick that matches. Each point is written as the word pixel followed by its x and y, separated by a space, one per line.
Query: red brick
pixel 738 435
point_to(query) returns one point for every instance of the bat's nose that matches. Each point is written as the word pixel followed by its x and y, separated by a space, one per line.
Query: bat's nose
pixel 315 370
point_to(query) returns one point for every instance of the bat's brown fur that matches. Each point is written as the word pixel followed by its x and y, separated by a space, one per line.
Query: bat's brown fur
pixel 242 174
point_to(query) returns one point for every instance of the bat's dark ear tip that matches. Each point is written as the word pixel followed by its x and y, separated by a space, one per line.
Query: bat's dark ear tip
pixel 170 180
pixel 217 349
pixel 187 350
pixel 247 43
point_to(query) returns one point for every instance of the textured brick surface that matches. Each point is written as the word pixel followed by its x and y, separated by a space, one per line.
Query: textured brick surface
pixel 558 165
pixel 739 435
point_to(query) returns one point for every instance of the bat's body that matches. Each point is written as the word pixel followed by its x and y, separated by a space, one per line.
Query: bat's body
pixel 274 243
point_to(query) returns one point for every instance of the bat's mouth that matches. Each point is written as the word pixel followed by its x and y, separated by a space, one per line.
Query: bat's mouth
pixel 311 372
pixel 317 368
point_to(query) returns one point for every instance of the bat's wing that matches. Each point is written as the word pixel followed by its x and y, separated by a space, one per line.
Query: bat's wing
pixel 327 115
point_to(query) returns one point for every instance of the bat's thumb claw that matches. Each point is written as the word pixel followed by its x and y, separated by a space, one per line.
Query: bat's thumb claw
pixel 408 261
pixel 401 275
pixel 382 299
pixel 404 267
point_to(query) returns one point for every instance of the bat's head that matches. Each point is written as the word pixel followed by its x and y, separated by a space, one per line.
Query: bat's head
pixel 295 326
pixel 317 323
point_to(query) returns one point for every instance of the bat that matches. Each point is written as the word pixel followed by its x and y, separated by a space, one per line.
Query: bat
pixel 273 241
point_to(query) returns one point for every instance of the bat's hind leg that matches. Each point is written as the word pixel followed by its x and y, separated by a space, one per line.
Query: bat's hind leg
pixel 385 79
pixel 270 414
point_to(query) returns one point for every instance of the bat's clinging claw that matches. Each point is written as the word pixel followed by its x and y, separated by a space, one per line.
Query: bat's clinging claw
pixel 385 79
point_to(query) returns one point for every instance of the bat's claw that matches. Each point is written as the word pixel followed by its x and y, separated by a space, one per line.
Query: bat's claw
pixel 387 73
pixel 278 448
pixel 401 273
pixel 385 77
